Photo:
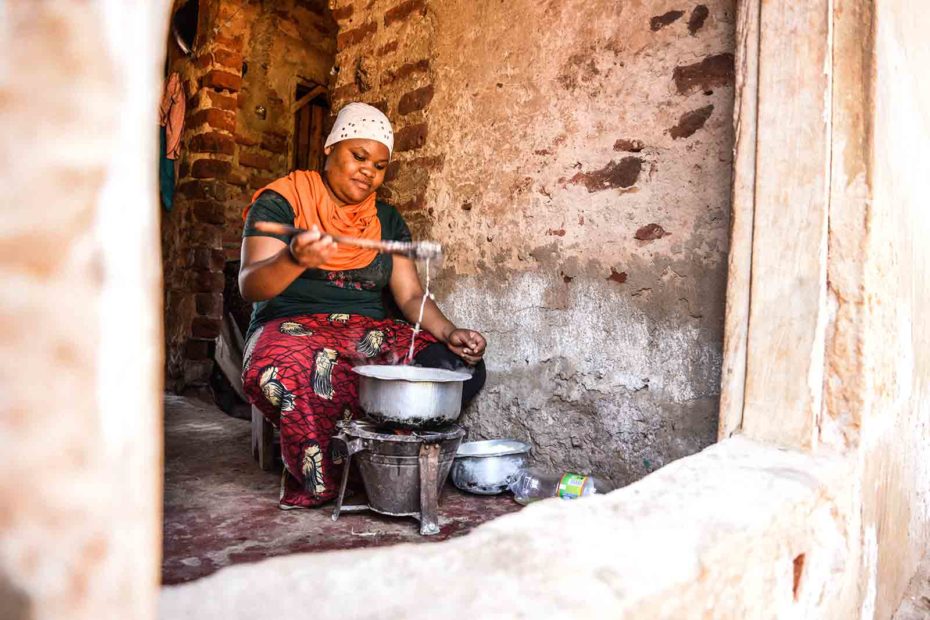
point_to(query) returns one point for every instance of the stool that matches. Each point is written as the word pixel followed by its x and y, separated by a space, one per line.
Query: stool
pixel 262 440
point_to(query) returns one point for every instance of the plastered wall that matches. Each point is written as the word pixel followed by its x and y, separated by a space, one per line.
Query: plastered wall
pixel 80 354
pixel 895 432
pixel 574 159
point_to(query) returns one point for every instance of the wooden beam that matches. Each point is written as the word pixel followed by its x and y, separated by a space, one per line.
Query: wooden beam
pixel 313 94
pixel 788 300
pixel 733 376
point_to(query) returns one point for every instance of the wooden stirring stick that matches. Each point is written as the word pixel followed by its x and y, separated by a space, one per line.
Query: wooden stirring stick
pixel 410 249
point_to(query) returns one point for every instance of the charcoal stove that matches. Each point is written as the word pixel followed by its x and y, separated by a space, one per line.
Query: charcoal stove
pixel 403 473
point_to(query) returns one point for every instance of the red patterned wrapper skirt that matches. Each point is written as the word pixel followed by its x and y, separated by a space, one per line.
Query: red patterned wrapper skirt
pixel 298 372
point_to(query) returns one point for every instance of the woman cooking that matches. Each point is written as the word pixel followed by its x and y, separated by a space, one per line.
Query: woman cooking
pixel 317 303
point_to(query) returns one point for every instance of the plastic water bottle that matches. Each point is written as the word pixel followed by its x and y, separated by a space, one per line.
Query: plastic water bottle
pixel 534 484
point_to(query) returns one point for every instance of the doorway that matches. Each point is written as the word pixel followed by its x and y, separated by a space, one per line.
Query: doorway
pixel 310 108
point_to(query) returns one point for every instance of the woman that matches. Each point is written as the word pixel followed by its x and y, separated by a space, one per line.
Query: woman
pixel 318 309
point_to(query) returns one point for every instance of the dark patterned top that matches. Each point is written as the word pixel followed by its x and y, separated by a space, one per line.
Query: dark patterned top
pixel 317 291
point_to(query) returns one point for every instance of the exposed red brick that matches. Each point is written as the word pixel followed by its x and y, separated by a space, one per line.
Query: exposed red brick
pixel 254 160
pixel 410 137
pixel 197 349
pixel 381 105
pixel 415 204
pixel 199 258
pixel 405 70
pixel 388 48
pixel 617 276
pixel 696 21
pixel 343 13
pixel 348 38
pixel 184 170
pixel 217 119
pixel 258 181
pixel 690 122
pixel 247 140
pixel 209 282
pixel 229 60
pixel 205 327
pixel 274 142
pixel 210 169
pixel 798 563
pixel 362 79
pixel 415 100
pixel 392 171
pixel 404 10
pixel 203 60
pixel 661 21
pixel 209 304
pixel 212 142
pixel 209 212
pixel 217 259
pixel 224 102
pixel 233 43
pixel 630 146
pixel 712 71
pixel 205 235
pixel 615 174
pixel 651 232
pixel 221 80
pixel 209 259
pixel 203 190
pixel 237 178
pixel 233 242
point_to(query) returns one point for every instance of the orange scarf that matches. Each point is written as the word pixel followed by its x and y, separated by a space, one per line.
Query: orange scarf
pixel 312 204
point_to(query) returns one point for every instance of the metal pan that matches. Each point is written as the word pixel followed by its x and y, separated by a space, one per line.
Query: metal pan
pixel 488 467
pixel 410 396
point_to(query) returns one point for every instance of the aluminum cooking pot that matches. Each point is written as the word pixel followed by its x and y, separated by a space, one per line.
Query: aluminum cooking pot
pixel 488 467
pixel 410 396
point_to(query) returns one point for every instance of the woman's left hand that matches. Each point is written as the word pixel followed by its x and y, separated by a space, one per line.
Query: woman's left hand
pixel 467 344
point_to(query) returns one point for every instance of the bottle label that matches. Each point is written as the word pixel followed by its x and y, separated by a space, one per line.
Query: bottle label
pixel 570 486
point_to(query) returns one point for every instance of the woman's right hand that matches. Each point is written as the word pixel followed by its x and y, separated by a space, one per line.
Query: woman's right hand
pixel 312 248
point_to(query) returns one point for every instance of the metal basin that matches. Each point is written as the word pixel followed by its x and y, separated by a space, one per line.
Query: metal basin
pixel 410 396
pixel 488 467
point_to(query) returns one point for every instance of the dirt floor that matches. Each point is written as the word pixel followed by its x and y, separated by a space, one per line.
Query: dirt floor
pixel 221 509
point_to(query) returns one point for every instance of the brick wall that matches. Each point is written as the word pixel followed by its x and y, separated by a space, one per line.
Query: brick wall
pixel 384 58
pixel 247 57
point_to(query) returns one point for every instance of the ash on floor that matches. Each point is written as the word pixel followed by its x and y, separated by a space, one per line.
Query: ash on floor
pixel 221 509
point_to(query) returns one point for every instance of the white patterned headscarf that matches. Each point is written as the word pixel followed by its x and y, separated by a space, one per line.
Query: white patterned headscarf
pixel 360 120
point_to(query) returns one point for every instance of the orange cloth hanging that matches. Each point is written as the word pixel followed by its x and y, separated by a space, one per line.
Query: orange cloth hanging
pixel 312 204
pixel 171 115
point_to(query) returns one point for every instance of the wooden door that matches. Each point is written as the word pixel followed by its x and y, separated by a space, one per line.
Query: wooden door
pixel 310 110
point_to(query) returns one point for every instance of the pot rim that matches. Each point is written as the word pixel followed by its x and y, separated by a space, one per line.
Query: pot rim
pixel 491 447
pixel 384 372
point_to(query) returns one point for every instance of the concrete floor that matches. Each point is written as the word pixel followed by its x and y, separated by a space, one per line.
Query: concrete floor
pixel 221 509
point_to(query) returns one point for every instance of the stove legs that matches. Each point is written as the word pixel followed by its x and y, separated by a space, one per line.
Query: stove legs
pixel 429 489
